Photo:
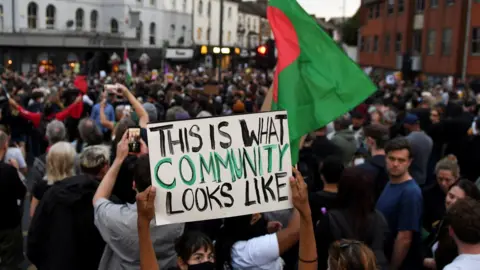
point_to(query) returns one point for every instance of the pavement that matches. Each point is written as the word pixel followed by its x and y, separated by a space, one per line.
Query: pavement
pixel 26 265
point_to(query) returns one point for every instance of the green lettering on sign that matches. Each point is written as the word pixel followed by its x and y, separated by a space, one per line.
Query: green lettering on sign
pixel 159 181
pixel 191 181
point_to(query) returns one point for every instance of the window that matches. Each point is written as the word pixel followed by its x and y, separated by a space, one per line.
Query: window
pixel 153 2
pixel 375 43
pixel 447 41
pixel 200 7
pixel 419 6
pixel 79 19
pixel 184 6
pixel 367 44
pixel 377 11
pixel 113 26
pixel 431 41
pixel 1 17
pixel 139 31
pixel 184 31
pixel 209 32
pixel 400 6
pixel 362 44
pixel 172 31
pixel 390 6
pixel 229 13
pixel 450 2
pixel 254 25
pixel 387 44
pixel 248 23
pixel 476 41
pixel 93 20
pixel 433 3
pixel 199 33
pixel 32 9
pixel 152 31
pixel 398 42
pixel 229 36
pixel 209 8
pixel 174 4
pixel 370 12
pixel 50 17
pixel 417 42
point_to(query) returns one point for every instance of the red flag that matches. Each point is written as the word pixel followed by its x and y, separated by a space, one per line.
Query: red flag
pixel 81 83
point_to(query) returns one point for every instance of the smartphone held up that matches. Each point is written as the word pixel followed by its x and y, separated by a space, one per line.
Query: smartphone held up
pixel 134 140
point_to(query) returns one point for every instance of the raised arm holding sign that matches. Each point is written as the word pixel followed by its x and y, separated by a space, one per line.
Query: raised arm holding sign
pixel 220 167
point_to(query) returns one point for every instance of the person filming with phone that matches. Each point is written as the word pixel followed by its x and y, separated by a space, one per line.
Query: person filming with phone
pixel 122 111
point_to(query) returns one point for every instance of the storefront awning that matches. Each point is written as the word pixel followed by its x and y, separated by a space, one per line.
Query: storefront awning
pixel 179 54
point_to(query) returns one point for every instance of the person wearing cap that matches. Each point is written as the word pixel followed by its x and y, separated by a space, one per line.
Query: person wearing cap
pixel 421 145
pixel 345 139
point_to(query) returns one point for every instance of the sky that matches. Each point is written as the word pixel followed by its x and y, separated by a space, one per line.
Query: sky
pixel 330 8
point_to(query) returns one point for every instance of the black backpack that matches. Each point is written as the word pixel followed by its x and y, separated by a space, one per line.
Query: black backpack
pixel 341 228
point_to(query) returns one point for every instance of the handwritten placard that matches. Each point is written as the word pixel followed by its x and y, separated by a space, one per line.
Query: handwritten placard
pixel 220 167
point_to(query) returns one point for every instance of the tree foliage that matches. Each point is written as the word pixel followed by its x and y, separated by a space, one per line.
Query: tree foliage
pixel 350 30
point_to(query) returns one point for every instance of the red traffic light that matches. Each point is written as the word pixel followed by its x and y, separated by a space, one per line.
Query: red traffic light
pixel 262 50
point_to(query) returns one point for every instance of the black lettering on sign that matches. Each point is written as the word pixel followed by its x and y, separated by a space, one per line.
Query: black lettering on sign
pixel 248 136
pixel 257 192
pixel 184 199
pixel 211 196
pixel 280 186
pixel 161 130
pixel 224 134
pixel 281 117
pixel 212 137
pixel 225 194
pixel 272 131
pixel 173 142
pixel 263 129
pixel 194 133
pixel 187 141
pixel 170 210
pixel 205 201
pixel 247 195
pixel 266 187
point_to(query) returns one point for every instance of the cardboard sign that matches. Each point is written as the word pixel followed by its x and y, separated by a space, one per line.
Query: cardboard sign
pixel 220 167
pixel 211 89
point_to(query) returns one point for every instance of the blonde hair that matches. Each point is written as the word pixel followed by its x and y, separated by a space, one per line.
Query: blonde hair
pixel 351 254
pixel 60 162
pixel 448 163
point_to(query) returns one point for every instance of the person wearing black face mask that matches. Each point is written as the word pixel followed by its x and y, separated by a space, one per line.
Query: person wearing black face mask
pixel 194 249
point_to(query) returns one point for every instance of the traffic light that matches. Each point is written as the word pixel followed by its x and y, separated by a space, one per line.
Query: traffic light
pixel 265 56
pixel 262 50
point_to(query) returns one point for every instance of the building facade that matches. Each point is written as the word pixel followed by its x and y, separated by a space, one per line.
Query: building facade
pixel 431 33
pixel 68 30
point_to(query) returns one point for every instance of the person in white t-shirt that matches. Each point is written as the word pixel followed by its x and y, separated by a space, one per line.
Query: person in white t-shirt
pixel 250 242
pixel 464 220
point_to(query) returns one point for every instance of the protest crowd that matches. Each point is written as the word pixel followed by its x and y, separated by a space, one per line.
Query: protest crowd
pixel 392 184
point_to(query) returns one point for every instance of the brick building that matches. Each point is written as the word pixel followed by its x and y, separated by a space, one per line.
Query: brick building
pixel 431 32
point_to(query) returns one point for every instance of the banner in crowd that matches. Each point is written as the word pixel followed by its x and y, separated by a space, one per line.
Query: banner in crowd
pixel 220 167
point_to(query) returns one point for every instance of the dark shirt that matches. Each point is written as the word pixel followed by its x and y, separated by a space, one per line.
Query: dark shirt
pixel 402 206
pixel 434 205
pixel 375 167
pixel 319 200
pixel 40 188
pixel 11 190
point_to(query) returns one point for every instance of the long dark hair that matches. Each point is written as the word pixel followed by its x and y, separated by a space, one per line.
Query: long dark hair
pixel 355 194
pixel 234 229
pixel 470 189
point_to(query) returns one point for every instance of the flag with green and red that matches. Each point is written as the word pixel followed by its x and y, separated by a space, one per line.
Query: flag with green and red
pixel 315 81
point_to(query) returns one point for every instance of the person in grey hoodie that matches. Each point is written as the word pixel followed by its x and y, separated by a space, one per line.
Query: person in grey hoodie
pixel 345 139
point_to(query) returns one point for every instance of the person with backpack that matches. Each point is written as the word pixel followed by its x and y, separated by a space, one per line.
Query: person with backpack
pixel 355 218
pixel 376 136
